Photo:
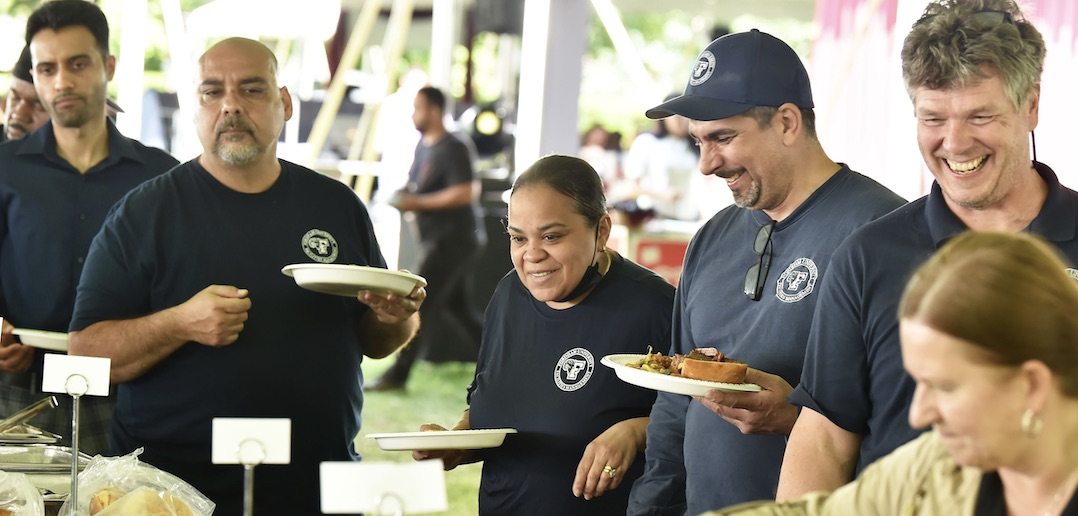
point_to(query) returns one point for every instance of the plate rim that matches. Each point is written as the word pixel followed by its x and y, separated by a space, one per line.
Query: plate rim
pixel 51 336
pixel 442 433
pixel 287 270
pixel 608 361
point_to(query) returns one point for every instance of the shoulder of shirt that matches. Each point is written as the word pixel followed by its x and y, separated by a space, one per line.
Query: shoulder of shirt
pixel 872 197
pixel 638 275
pixel 318 179
pixel 900 221
pixel 151 153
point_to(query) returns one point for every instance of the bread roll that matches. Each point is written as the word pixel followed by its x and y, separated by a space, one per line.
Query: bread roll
pixel 148 502
pixel 725 371
pixel 104 498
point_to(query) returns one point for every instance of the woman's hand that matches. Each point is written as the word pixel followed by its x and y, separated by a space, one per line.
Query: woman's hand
pixel 607 458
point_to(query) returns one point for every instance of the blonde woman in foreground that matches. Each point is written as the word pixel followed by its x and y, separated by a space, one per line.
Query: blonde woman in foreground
pixel 989 331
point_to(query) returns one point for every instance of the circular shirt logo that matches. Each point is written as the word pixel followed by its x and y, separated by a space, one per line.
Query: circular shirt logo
pixel 702 70
pixel 797 281
pixel 574 369
pixel 320 246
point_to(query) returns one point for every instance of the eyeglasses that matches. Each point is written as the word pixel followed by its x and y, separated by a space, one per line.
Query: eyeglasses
pixel 757 273
pixel 978 20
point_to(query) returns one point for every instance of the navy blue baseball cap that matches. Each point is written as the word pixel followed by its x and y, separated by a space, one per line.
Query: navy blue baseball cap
pixel 738 72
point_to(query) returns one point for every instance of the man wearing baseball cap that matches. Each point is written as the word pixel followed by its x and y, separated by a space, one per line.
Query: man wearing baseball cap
pixel 750 273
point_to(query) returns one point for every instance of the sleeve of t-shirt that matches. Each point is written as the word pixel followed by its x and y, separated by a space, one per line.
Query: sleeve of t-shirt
pixel 113 284
pixel 834 377
pixel 459 165
pixel 661 489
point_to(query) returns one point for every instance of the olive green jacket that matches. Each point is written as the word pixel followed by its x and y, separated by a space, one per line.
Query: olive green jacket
pixel 919 478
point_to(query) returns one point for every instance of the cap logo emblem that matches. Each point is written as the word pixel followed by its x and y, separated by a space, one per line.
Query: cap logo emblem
pixel 705 66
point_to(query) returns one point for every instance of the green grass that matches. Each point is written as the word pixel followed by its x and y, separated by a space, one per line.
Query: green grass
pixel 435 394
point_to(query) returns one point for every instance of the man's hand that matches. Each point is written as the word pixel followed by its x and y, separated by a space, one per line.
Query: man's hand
pixel 14 357
pixel 450 458
pixel 764 412
pixel 393 308
pixel 215 316
pixel 404 201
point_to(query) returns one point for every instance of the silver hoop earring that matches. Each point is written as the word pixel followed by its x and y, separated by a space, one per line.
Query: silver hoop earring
pixel 1031 423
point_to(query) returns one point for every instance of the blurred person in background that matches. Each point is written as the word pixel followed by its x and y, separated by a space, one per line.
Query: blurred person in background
pixel 749 282
pixel 659 169
pixel 972 69
pixel 598 148
pixel 23 112
pixel 443 192
pixel 56 186
pixel 570 301
pixel 988 331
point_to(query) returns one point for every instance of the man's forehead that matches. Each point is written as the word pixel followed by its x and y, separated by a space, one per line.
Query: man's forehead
pixel 24 88
pixel 701 127
pixel 219 66
pixel 67 42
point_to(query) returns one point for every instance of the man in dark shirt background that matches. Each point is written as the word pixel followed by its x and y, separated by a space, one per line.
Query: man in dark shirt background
pixel 443 192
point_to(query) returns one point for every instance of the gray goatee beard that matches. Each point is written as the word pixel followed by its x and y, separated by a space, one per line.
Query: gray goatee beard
pixel 239 154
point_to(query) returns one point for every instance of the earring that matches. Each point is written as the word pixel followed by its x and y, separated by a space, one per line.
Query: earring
pixel 1031 423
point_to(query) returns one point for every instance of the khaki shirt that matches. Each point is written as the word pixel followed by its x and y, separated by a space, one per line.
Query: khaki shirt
pixel 919 478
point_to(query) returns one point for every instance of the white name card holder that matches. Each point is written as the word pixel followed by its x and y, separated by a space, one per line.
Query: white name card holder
pixel 250 442
pixel 383 488
pixel 77 377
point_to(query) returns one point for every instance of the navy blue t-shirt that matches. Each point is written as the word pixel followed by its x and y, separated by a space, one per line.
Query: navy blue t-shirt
pixel 853 370
pixel 693 455
pixel 539 372
pixel 297 357
pixel 50 214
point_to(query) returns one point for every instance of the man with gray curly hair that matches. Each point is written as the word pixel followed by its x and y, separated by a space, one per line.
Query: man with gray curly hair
pixel 972 69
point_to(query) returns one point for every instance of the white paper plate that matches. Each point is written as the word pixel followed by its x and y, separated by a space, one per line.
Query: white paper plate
pixel 51 340
pixel 667 383
pixel 442 440
pixel 348 280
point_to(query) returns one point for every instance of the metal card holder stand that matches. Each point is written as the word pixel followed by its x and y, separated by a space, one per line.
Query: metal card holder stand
pixel 250 453
pixel 382 488
pixel 395 501
pixel 251 442
pixel 76 386
pixel 76 376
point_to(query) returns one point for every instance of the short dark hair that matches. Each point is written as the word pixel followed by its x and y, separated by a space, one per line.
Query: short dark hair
pixel 60 14
pixel 433 96
pixel 764 114
pixel 571 177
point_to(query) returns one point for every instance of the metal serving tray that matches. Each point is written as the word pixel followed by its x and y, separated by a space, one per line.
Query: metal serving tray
pixel 39 458
pixel 28 434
